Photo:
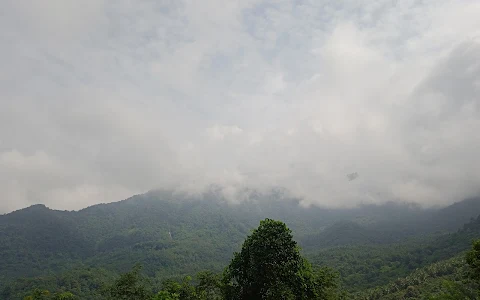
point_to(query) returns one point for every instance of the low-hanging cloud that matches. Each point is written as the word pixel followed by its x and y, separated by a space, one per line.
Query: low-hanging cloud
pixel 104 99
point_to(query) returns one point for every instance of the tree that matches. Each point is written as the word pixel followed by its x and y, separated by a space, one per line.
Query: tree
pixel 39 294
pixel 172 290
pixel 64 296
pixel 164 295
pixel 468 287
pixel 129 286
pixel 473 260
pixel 453 290
pixel 209 286
pixel 269 266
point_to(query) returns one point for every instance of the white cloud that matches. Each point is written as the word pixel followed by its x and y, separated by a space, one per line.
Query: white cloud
pixel 103 99
pixel 219 132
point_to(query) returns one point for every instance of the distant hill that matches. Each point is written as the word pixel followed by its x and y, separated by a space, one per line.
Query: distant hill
pixel 392 223
pixel 454 216
pixel 173 234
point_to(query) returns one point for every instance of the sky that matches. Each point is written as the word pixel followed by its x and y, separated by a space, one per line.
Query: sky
pixel 103 99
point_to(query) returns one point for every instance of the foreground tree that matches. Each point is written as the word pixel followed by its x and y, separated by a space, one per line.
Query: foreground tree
pixel 270 266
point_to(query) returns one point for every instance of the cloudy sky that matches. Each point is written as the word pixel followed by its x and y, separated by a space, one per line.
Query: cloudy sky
pixel 102 99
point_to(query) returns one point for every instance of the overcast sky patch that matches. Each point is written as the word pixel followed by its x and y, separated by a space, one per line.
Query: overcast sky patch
pixel 104 99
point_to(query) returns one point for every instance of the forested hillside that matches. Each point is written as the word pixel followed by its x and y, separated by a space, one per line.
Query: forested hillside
pixel 368 266
pixel 173 235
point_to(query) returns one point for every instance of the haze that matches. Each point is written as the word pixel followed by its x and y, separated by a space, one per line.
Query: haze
pixel 100 100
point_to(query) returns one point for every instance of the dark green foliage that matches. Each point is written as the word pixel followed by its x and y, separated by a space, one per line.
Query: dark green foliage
pixel 270 266
pixel 363 267
pixel 39 295
pixel 130 286
pixel 453 279
pixel 269 261
pixel 455 290
pixel 183 290
pixel 46 295
pixel 84 283
pixel 473 260
pixel 36 238
pixel 209 286
pixel 421 284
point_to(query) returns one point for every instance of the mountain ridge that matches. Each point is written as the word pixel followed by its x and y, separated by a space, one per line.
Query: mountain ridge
pixel 161 225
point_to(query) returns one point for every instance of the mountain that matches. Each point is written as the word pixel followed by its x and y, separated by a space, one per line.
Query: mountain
pixel 454 216
pixel 392 223
pixel 167 232
pixel 34 238
pixel 174 234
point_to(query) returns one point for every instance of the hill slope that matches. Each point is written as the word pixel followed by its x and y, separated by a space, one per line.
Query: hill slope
pixel 368 266
pixel 173 234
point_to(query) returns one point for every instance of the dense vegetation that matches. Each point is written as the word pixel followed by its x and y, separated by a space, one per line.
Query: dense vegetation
pixel 391 251
pixel 363 267
pixel 269 266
